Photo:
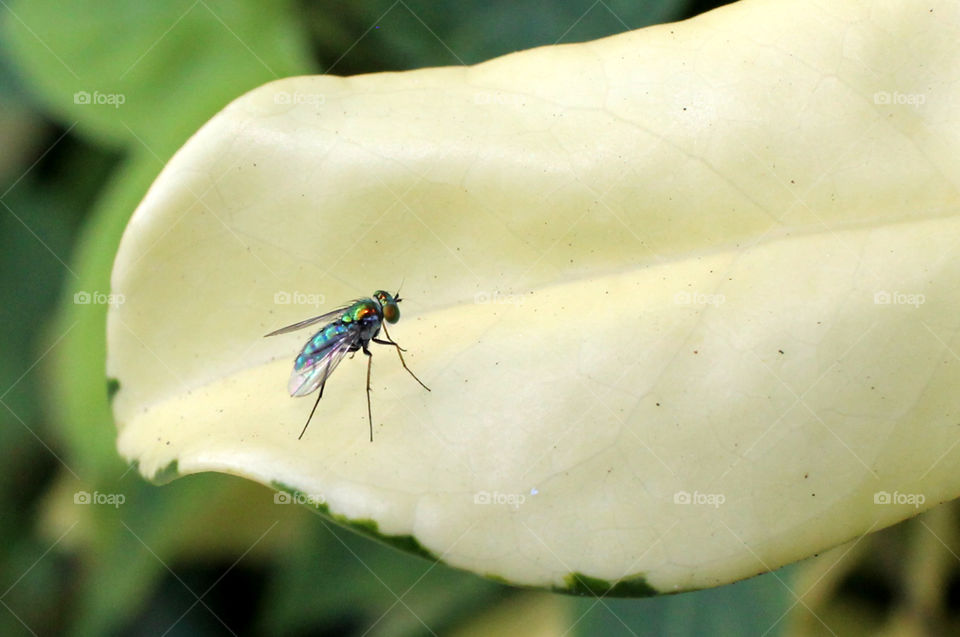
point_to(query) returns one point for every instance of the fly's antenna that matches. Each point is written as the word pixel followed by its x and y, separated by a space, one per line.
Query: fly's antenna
pixel 396 297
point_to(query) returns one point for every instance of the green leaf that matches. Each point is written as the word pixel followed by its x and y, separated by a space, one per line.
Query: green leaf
pixel 185 75
pixel 753 607
pixel 335 577
pixel 149 72
pixel 684 296
pixel 81 412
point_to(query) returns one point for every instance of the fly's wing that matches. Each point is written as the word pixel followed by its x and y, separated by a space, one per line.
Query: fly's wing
pixel 329 316
pixel 305 380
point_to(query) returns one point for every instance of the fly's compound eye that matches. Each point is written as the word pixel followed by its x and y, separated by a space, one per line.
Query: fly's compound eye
pixel 391 313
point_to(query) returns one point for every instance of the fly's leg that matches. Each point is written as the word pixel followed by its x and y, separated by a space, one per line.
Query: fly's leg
pixel 390 341
pixel 319 396
pixel 369 410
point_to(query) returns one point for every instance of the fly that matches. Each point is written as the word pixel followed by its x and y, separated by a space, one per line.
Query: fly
pixel 349 328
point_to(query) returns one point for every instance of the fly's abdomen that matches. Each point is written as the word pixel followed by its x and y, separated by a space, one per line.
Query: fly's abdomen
pixel 320 356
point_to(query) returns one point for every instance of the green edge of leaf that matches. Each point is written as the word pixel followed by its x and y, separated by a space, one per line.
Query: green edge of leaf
pixel 580 584
pixel 576 583
pixel 370 528
pixel 499 579
pixel 168 474
pixel 113 386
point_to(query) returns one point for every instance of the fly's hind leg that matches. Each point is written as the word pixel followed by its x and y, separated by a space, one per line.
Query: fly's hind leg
pixel 326 375
pixel 369 410
pixel 319 396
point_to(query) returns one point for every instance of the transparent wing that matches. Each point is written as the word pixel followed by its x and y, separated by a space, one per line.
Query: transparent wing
pixel 304 381
pixel 329 316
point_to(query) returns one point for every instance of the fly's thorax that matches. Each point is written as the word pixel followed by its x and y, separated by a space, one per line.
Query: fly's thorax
pixel 364 315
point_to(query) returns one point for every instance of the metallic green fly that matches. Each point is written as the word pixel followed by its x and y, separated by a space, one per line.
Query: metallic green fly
pixel 351 327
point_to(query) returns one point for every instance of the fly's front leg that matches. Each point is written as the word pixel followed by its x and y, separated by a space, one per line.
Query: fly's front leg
pixel 390 341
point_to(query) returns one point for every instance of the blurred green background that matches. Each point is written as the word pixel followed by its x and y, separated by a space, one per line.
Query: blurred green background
pixel 212 554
